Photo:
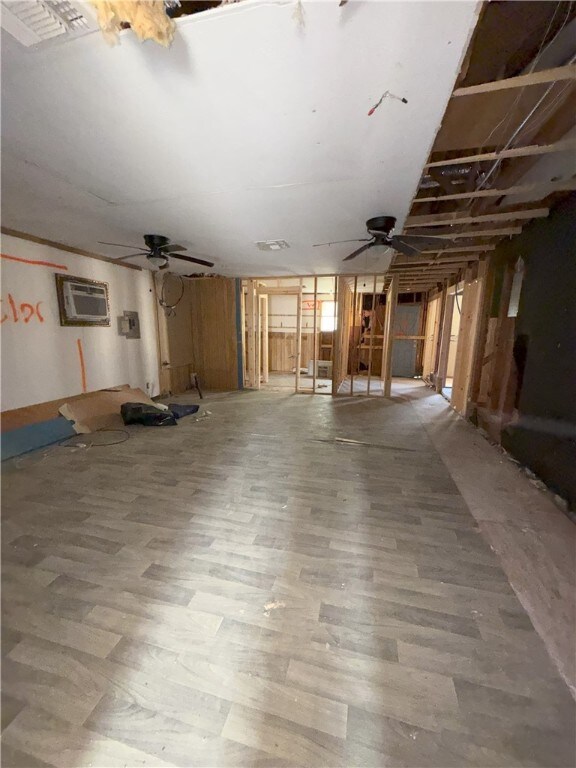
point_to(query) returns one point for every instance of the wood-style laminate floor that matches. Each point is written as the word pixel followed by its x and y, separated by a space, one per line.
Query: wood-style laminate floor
pixel 247 590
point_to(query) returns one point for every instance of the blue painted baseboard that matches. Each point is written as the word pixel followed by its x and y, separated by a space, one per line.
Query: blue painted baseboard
pixel 33 436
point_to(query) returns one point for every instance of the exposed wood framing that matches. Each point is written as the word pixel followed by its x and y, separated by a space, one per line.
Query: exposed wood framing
pixel 530 150
pixel 372 330
pixel 462 248
pixel 455 217
pixel 264 335
pixel 543 190
pixel 251 370
pixel 467 339
pixel 530 108
pixel 391 299
pixel 521 81
pixel 353 338
pixel 473 233
pixel 298 337
pixel 444 345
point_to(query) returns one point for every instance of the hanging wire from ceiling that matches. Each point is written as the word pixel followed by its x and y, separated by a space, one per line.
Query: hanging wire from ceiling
pixel 170 309
pixel 541 50
pixel 496 165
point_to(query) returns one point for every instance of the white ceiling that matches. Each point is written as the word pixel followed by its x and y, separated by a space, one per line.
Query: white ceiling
pixel 251 127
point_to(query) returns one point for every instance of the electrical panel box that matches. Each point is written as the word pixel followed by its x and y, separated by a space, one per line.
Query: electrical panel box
pixel 129 325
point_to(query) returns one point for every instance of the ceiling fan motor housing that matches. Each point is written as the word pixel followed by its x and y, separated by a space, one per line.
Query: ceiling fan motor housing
pixel 155 241
pixel 381 225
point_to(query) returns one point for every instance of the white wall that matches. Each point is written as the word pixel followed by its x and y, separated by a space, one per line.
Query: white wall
pixel 40 360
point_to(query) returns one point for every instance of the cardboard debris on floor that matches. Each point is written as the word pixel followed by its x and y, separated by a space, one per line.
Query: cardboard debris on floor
pixel 101 410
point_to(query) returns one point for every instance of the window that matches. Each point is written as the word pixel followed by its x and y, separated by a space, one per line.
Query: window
pixel 328 316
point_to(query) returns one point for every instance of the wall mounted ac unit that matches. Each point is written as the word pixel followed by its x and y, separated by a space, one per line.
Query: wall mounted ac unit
pixel 85 302
pixel 36 21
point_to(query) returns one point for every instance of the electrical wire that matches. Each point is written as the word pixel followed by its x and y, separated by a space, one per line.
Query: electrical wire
pixel 170 309
pixel 82 443
pixel 458 307
pixel 74 442
pixel 541 50
pixel 540 118
pixel 539 53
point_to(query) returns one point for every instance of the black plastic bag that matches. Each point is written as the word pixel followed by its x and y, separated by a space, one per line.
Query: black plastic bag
pixel 148 415
pixel 182 410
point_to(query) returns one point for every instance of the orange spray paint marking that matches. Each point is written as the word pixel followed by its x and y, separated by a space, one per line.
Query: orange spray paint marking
pixel 40 317
pixel 13 308
pixel 32 261
pixel 25 307
pixel 82 366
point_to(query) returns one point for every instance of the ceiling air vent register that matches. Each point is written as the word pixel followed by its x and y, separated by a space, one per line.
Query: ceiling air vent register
pixel 36 21
pixel 272 245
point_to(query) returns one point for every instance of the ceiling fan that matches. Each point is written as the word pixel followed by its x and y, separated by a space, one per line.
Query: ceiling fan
pixel 381 227
pixel 157 251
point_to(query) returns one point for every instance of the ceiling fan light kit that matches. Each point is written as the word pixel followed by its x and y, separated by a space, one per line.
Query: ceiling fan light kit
pixel 158 261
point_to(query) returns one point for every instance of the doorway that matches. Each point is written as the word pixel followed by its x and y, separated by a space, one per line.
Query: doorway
pixel 455 317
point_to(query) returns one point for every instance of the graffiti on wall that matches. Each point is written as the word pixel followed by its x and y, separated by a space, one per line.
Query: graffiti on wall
pixel 14 311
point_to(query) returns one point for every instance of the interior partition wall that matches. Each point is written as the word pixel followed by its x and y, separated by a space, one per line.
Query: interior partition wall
pixel 320 334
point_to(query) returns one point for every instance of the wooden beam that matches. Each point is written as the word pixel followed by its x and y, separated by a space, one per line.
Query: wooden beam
pixel 463 249
pixel 263 299
pixel 456 217
pixel 355 357
pixel 519 189
pixel 372 328
pixel 480 233
pixel 567 72
pixel 315 336
pixel 440 261
pixel 264 291
pixel 251 336
pixel 472 299
pixel 532 149
pixel 298 336
pixel 66 248
pixel 391 299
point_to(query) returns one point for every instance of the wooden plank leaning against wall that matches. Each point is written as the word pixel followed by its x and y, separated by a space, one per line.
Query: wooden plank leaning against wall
pixel 201 337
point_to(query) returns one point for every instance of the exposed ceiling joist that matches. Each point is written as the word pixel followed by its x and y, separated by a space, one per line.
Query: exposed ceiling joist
pixel 433 263
pixel 441 219
pixel 462 249
pixel 533 149
pixel 542 190
pixel 520 81
pixel 473 233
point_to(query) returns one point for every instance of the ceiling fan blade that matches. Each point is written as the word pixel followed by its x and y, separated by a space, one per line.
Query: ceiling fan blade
pixel 132 255
pixel 194 260
pixel 405 248
pixel 422 242
pixel 360 250
pixel 172 248
pixel 337 242
pixel 118 245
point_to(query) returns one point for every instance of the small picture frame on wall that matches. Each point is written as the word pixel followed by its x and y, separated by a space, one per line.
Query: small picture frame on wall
pixel 82 302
